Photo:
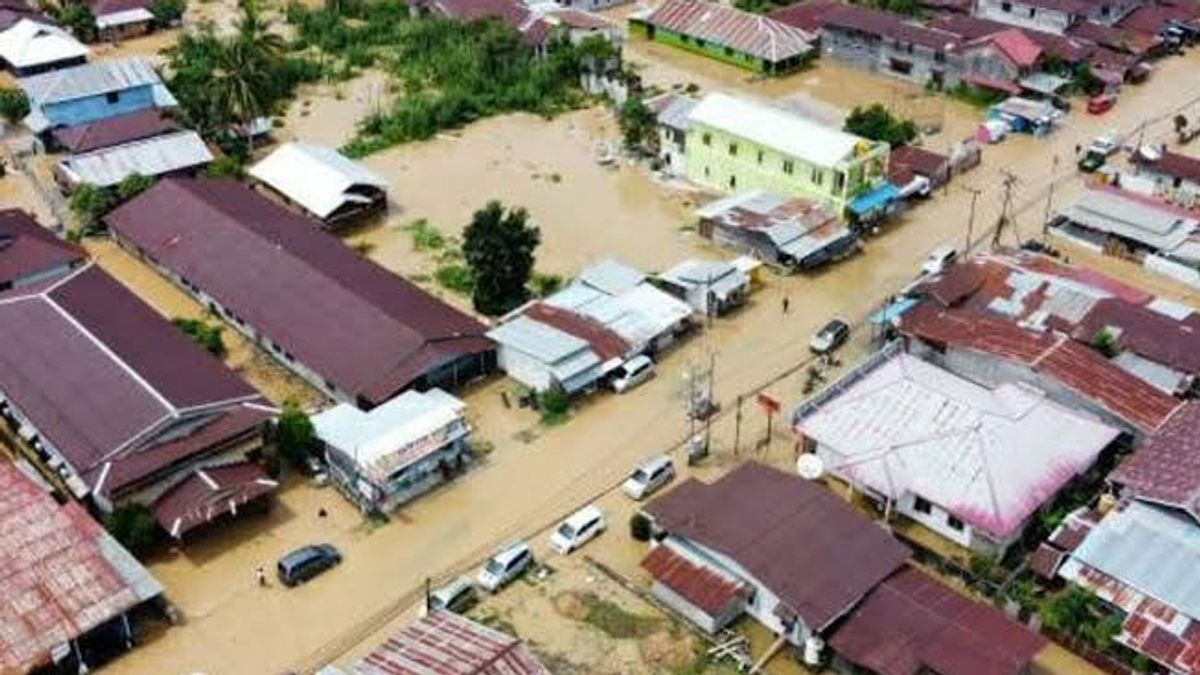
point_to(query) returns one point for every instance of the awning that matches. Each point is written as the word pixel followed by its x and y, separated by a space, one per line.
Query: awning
pixel 993 84
pixel 893 311
pixel 1044 83
pixel 208 493
pixel 876 199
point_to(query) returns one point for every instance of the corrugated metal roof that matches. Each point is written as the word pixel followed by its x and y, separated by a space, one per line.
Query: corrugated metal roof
pixel 611 277
pixel 752 34
pixel 208 493
pixel 991 457
pixel 124 17
pixel 91 79
pixel 541 341
pixel 155 156
pixel 1166 468
pixel 314 176
pixel 30 43
pixel 773 127
pixel 1111 212
pixel 28 250
pixel 703 587
pixel 444 643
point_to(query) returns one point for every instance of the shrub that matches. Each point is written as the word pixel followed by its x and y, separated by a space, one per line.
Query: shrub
pixel 639 527
pixel 133 185
pixel 294 434
pixel 1106 343
pixel 226 166
pixel 90 204
pixel 167 12
pixel 876 123
pixel 14 105
pixel 543 284
pixel 425 237
pixel 208 337
pixel 555 406
pixel 133 527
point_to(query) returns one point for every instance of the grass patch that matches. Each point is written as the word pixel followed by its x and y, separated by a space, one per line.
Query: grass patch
pixel 456 277
pixel 425 237
pixel 616 621
pixel 499 623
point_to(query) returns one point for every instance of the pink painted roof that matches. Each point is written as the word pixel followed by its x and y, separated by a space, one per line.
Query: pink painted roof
pixel 991 457
pixel 726 26
pixel 61 574
pixel 1016 45
pixel 444 643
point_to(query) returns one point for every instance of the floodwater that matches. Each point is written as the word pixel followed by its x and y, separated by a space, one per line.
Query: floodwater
pixel 535 474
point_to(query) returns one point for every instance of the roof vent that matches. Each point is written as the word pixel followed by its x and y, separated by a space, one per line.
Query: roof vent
pixel 810 467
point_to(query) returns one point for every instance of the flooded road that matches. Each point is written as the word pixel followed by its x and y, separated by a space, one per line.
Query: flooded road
pixel 535 474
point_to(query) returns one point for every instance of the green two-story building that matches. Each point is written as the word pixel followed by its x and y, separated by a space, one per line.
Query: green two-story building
pixel 735 144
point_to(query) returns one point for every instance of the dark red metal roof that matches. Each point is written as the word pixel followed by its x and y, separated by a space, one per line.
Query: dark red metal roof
pixel 1153 19
pixel 27 249
pixel 367 330
pixel 208 493
pixel 1045 561
pixel 512 13
pixel 444 643
pixel 1120 39
pixel 703 588
pixel 102 7
pixel 1172 164
pixel 1166 468
pixel 888 25
pixel 924 162
pixel 606 343
pixel 971 28
pixel 773 524
pixel 114 130
pixel 1015 44
pixel 1150 334
pixel 808 15
pixel 913 623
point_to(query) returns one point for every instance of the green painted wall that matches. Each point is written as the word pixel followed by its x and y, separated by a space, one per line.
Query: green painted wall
pixel 711 50
pixel 750 166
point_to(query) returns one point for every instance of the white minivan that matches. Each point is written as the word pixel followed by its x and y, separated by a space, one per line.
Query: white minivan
pixel 939 259
pixel 577 530
pixel 632 373
pixel 649 477
pixel 505 566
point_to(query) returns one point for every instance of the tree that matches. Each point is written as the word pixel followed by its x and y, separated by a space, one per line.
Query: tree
pixel 90 204
pixel 294 434
pixel 1106 343
pixel 226 166
pixel 134 527
pixel 14 105
pixel 639 126
pixel 133 185
pixel 499 247
pixel 78 18
pixel 876 123
pixel 1076 614
pixel 167 12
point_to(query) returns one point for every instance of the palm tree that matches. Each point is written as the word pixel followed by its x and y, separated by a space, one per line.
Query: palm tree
pixel 238 85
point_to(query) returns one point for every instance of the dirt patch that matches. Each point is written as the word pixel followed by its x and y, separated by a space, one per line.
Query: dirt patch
pixel 571 606
pixel 615 621
pixel 672 651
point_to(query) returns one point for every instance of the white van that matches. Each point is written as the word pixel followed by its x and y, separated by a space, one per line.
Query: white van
pixel 632 373
pixel 939 259
pixel 505 566
pixel 649 477
pixel 577 530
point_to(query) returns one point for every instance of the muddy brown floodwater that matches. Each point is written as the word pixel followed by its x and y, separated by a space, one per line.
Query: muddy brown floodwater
pixel 534 474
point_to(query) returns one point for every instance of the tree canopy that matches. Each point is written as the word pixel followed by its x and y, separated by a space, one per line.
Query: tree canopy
pixel 78 18
pixel 876 123
pixel 499 247
pixel 294 434
pixel 14 105
pixel 639 127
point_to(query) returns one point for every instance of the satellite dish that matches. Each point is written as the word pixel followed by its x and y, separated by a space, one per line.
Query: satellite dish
pixel 810 467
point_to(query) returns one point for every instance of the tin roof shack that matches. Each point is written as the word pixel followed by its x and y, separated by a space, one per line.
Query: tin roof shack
pixel 113 131
pixel 934 167
pixel 66 586
pixel 178 153
pixel 710 287
pixel 353 329
pixel 390 455
pixel 971 463
pixel 445 643
pixel 726 34
pixel 548 348
pixel 535 31
pixel 891 44
pixel 325 183
pixel 913 623
pixel 31 46
pixel 788 233
pixel 122 19
pixel 1026 115
pixel 1107 218
pixel 31 254
pixel 783 550
pixel 1176 176
pixel 113 402
pixel 92 92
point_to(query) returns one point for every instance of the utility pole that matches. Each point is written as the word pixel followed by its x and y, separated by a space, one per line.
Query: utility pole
pixel 1010 180
pixel 975 192
pixel 737 426
pixel 1050 199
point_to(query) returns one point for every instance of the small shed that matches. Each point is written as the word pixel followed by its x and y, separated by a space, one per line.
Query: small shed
pixel 30 47
pixel 711 287
pixel 444 643
pixel 174 153
pixel 1026 115
pixel 323 182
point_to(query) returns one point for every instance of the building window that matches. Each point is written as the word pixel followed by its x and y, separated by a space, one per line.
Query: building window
pixel 839 181
pixel 706 138
pixel 1032 12
pixel 1006 6
pixel 922 505
pixel 760 156
pixel 733 182
pixel 706 172
pixel 817 176
pixel 954 523
pixel 733 149
pixel 788 167
pixel 112 96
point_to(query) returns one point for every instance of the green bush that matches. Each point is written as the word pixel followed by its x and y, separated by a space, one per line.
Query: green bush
pixel 90 204
pixel 639 527
pixel 133 185
pixel 555 406
pixel 78 18
pixel 134 527
pixel 203 334
pixel 876 123
pixel 14 105
pixel 294 434
pixel 226 166
pixel 425 237
pixel 455 277
pixel 1106 343
pixel 167 12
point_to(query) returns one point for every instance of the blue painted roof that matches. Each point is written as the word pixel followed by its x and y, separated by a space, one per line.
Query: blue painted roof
pixel 877 198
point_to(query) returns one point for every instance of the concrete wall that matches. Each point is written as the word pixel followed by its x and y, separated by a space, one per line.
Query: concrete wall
pixel 1024 16
pixel 887 56
pixel 93 108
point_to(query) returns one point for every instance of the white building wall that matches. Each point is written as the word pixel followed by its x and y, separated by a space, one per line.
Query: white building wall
pixel 524 368
pixel 1024 16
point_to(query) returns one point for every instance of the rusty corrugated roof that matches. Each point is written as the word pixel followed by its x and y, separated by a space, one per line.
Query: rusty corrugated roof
pixel 721 25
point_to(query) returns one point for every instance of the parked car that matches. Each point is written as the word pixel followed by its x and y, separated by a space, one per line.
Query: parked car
pixel 1098 105
pixel 831 336
pixel 307 562
pixel 457 596
pixel 1091 162
pixel 649 477
pixel 632 373
pixel 505 566
pixel 1105 145
pixel 939 259
pixel 578 529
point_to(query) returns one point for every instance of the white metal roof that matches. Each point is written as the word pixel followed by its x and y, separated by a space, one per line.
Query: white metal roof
pixel 124 17
pixel 989 456
pixel 1106 211
pixel 787 132
pixel 393 435
pixel 149 157
pixel 90 79
pixel 611 277
pixel 316 177
pixel 721 278
pixel 545 343
pixel 30 43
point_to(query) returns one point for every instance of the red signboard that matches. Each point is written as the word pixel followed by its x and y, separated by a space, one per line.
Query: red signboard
pixel 767 403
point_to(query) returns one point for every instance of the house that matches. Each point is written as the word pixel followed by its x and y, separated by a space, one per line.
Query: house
pixel 579 25
pixel 122 19
pixel 1159 342
pixel 788 233
pixel 535 31
pixel 1107 219
pixel 807 15
pixel 887 43
pixel 92 92
pixel 143 410
pixel 323 182
pixel 29 47
pixel 735 144
pixel 12 11
pixel 67 587
pixel 357 332
pixel 386 457
pixel 31 254
pixel 726 34
pixel 912 623
pixel 671 111
pixel 1176 176
pixel 592 5
pixel 112 131
pixel 1026 115
pixel 999 60
pixel 176 153
pixel 1068 50
pixel 734 547
pixel 1053 16
pixel 931 166
pixel 550 348
pixel 1118 39
pixel 970 462
pixel 710 287
pixel 445 642
pixel 624 301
